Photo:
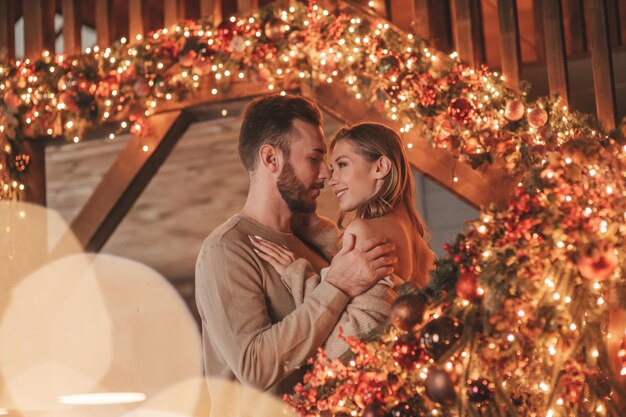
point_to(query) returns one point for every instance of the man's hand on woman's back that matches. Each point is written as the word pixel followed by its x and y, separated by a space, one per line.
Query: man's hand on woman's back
pixel 355 270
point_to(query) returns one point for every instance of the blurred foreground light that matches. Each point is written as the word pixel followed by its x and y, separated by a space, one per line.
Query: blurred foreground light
pixel 102 398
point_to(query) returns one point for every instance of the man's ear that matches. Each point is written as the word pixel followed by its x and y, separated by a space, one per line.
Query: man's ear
pixel 382 167
pixel 271 158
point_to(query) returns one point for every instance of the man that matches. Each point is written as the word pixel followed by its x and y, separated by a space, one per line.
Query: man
pixel 251 329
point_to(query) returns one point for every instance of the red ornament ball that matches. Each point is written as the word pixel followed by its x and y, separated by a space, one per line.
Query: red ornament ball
pixel 407 352
pixel 537 117
pixel 141 87
pixel 598 267
pixel 275 29
pixel 467 286
pixel 514 110
pixel 403 410
pixel 439 386
pixel 227 29
pixel 407 311
pixel 461 110
pixel 480 391
pixel 439 335
pixel 389 66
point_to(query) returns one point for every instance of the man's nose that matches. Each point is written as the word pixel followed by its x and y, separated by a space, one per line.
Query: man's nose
pixel 324 172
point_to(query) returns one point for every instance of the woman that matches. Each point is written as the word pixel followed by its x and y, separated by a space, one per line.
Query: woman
pixel 372 179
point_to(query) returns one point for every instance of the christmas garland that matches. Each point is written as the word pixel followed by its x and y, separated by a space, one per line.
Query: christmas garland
pixel 513 320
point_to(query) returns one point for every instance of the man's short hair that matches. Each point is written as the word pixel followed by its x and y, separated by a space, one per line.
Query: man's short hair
pixel 269 119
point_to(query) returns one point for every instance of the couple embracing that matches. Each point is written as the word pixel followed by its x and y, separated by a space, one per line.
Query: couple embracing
pixel 276 281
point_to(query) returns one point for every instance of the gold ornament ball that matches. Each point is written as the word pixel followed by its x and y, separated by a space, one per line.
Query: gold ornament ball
pixel 275 29
pixel 537 117
pixel 514 110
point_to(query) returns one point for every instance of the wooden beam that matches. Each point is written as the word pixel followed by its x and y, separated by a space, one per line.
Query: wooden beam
pixel 71 27
pixel 555 48
pixel 246 5
pixel 403 14
pixel 615 26
pixel 509 42
pixel 104 31
pixel 126 179
pixel 602 63
pixel 576 27
pixel 38 27
pixel 212 8
pixel 170 12
pixel 540 39
pixel 437 164
pixel 135 18
pixel 7 30
pixel 35 176
pixel 468 38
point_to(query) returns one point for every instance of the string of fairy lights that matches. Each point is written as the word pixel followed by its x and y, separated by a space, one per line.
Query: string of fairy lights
pixel 523 294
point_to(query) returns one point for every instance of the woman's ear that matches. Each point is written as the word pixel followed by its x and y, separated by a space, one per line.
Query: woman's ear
pixel 382 167
pixel 271 158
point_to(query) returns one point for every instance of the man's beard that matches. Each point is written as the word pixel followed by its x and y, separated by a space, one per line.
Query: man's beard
pixel 294 192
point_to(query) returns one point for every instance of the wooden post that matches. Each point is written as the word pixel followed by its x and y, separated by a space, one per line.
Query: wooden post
pixel 540 39
pixel 126 179
pixel 211 8
pixel 7 30
pixel 403 15
pixel 509 42
pixel 615 26
pixel 468 38
pixel 72 22
pixel 170 12
pixel 35 176
pixel 104 32
pixel 246 5
pixel 576 27
pixel 38 27
pixel 602 62
pixel 135 18
pixel 555 48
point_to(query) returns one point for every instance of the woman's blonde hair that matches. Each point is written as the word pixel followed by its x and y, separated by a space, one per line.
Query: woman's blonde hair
pixel 373 140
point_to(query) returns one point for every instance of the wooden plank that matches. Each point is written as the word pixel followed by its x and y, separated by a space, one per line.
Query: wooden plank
pixel 467 33
pixel 104 31
pixel 246 5
pixel 437 164
pixel 72 23
pixel 509 42
pixel 170 12
pixel 576 27
pixel 35 176
pixel 39 32
pixel 403 14
pixel 211 8
pixel 126 179
pixel 555 48
pixel 615 26
pixel 602 63
pixel 135 18
pixel 7 30
pixel 540 39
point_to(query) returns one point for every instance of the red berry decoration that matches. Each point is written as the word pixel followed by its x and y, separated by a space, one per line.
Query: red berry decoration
pixel 467 286
pixel 480 391
pixel 141 87
pixel 439 386
pixel 407 352
pixel 402 410
pixel 461 110
pixel 439 335
pixel 407 311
